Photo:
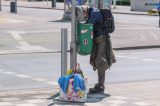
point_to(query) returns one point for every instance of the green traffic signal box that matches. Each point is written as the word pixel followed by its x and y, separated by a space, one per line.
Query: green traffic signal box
pixel 84 38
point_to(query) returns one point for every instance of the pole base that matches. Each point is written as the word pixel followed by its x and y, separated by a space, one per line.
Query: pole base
pixel 67 16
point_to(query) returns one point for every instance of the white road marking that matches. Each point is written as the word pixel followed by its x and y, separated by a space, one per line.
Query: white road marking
pixel 47 31
pixel 94 104
pixel 10 99
pixel 35 101
pixel 39 79
pixel 150 60
pixel 120 56
pixel 138 52
pixel 46 81
pixel 22 76
pixel 5 104
pixel 117 101
pixel 119 97
pixel 154 35
pixel 133 57
pixel 142 37
pixel 22 51
pixel 134 22
pixel 137 28
pixel 141 104
pixel 143 59
pixel 52 83
pixel 23 44
pixel 26 104
pixel 130 57
pixel 8 72
pixel 114 105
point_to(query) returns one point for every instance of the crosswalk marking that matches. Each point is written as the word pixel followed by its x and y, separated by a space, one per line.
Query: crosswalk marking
pixel 5 104
pixel 46 81
pixel 24 45
pixel 28 104
pixel 117 101
pixel 142 104
pixel 154 35
pixel 142 37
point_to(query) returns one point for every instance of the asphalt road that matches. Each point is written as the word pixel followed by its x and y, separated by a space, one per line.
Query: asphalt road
pixel 29 45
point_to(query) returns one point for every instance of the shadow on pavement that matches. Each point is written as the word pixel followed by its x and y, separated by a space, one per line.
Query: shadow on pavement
pixel 91 98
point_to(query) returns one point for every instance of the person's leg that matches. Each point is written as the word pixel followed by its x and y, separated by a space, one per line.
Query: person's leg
pixel 101 77
pixel 99 87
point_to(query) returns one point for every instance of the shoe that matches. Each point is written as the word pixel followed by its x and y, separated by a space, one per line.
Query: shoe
pixel 98 88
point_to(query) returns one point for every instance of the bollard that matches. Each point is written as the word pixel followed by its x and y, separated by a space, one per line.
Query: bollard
pixel 0 5
pixel 64 43
pixel 159 17
pixel 13 6
pixel 53 3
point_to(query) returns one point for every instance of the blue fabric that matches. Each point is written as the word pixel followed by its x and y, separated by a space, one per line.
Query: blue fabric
pixel 158 8
pixel 78 2
pixel 78 83
pixel 64 81
pixel 95 16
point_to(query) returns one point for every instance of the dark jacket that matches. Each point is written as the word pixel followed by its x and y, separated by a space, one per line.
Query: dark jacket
pixel 102 55
pixel 95 18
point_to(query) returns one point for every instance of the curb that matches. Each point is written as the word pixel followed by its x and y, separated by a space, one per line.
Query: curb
pixel 129 13
pixel 137 47
pixel 37 91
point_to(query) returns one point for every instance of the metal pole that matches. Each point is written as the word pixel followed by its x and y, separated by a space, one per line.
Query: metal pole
pixel 64 38
pixel 100 4
pixel 159 17
pixel 64 5
pixel 110 4
pixel 13 6
pixel 94 3
pixel 0 5
pixel 73 52
pixel 114 3
pixel 47 3
pixel 53 3
pixel 90 3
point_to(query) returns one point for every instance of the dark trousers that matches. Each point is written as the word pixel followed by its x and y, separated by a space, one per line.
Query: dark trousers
pixel 101 77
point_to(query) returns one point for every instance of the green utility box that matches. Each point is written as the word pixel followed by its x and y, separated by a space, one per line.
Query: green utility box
pixel 84 38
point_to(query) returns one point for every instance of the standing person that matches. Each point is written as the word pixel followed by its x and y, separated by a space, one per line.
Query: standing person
pixel 69 3
pixel 102 55
pixel 158 9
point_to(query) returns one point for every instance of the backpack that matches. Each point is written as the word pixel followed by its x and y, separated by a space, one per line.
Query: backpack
pixel 108 20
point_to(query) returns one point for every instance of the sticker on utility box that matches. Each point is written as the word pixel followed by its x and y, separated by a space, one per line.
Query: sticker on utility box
pixel 85 41
pixel 84 31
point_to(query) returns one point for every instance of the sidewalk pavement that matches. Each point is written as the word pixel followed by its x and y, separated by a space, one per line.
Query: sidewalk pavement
pixel 145 93
pixel 60 6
